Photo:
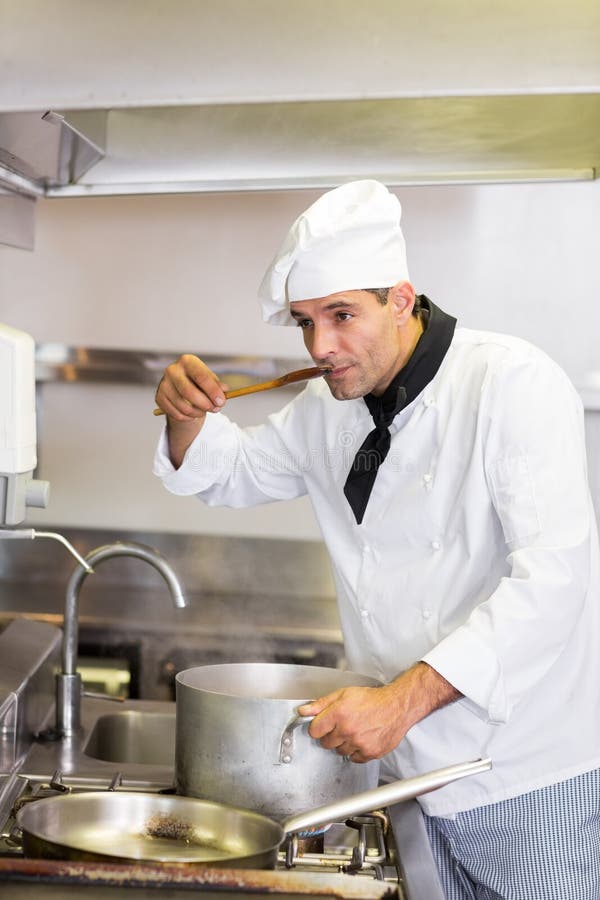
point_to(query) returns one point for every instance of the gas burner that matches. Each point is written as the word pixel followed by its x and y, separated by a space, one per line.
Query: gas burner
pixel 310 843
pixel 311 840
pixel 358 845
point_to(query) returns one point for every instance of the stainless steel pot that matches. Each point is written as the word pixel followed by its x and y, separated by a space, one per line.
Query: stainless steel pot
pixel 239 738
pixel 135 827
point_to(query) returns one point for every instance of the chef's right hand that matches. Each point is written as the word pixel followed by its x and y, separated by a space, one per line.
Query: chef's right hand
pixel 188 390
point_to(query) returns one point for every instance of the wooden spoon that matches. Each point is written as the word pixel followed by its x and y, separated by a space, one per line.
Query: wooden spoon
pixel 290 378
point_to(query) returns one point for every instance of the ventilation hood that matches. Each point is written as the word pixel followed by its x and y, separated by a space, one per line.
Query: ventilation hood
pixel 226 95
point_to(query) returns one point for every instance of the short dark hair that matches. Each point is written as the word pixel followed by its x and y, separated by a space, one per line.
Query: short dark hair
pixel 382 296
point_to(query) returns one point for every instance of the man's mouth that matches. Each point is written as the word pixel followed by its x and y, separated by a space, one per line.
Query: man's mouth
pixel 336 371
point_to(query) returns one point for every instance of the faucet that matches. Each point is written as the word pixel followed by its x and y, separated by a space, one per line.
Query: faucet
pixel 68 680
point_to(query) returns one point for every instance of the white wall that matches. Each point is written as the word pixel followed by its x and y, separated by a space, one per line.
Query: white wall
pixel 180 273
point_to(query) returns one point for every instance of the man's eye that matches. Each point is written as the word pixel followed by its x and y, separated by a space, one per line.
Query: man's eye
pixel 303 323
pixel 344 316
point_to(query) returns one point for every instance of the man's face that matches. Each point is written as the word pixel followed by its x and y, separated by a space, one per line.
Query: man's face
pixel 355 334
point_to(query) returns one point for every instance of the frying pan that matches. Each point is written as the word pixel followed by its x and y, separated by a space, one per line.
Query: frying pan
pixel 126 826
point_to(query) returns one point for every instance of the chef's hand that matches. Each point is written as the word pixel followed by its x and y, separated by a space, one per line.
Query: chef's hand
pixel 365 723
pixel 187 391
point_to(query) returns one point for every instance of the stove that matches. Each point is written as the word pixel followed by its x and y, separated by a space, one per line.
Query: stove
pixel 355 859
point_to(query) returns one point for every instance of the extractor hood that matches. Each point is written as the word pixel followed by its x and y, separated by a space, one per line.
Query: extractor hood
pixel 226 95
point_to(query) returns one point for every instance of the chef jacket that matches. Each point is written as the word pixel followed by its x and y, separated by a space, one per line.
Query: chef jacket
pixel 478 553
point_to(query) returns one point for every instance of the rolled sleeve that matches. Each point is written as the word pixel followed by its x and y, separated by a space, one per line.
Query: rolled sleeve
pixel 473 668
pixel 162 465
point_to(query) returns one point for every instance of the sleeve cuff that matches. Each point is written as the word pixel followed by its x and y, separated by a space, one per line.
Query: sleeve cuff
pixel 474 670
pixel 203 461
pixel 162 464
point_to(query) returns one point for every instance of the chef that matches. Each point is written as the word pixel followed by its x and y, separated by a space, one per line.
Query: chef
pixel 447 472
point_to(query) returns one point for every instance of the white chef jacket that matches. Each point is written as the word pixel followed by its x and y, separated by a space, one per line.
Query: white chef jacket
pixel 478 553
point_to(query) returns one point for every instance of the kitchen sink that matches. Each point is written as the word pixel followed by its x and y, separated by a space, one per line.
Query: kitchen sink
pixel 133 737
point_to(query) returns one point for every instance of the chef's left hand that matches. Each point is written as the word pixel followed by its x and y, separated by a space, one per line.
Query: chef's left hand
pixel 365 723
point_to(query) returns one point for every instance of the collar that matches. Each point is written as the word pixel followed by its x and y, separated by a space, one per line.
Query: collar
pixel 420 369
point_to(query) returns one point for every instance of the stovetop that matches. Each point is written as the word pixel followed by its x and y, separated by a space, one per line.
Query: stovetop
pixel 356 858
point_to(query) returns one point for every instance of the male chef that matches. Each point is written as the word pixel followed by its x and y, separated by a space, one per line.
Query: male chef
pixel 447 472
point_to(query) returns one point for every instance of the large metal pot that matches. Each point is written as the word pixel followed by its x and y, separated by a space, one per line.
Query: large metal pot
pixel 239 738
pixel 126 827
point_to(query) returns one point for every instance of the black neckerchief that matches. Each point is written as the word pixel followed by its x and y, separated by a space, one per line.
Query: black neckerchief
pixel 423 364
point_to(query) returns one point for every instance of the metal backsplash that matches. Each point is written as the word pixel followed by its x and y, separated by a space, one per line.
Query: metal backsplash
pixel 207 564
pixel 59 362
pixel 248 600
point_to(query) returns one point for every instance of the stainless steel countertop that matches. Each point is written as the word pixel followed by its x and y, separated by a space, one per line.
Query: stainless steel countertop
pixel 68 756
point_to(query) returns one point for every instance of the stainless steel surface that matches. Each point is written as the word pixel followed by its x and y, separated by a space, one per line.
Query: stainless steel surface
pixel 68 682
pixel 128 826
pixel 48 149
pixel 419 871
pixel 103 695
pixel 134 737
pixel 59 362
pixel 63 540
pixel 69 689
pixel 68 757
pixel 28 658
pixel 41 487
pixel 241 606
pixel 231 148
pixel 395 792
pixel 230 723
pixel 296 595
pixel 20 185
pixel 505 91
pixel 287 748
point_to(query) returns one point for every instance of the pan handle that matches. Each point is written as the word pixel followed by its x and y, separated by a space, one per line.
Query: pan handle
pixel 387 794
pixel 286 747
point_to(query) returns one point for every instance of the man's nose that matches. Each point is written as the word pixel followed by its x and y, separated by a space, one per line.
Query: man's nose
pixel 322 344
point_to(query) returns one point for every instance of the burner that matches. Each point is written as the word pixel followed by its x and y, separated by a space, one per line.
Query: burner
pixel 310 843
pixel 310 840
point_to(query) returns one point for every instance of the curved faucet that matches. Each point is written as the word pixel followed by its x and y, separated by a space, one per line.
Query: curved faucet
pixel 68 681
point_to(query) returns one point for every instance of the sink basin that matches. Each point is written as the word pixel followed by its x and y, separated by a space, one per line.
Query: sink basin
pixel 134 737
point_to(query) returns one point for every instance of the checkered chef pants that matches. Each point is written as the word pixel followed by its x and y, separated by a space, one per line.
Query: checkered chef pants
pixel 544 845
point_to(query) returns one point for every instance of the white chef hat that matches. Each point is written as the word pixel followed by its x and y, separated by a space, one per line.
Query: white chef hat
pixel 349 239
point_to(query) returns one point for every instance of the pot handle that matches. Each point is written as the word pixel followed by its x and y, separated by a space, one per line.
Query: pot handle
pixel 286 747
pixel 367 801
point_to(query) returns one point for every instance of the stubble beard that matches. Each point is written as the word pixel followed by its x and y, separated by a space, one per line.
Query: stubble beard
pixel 357 389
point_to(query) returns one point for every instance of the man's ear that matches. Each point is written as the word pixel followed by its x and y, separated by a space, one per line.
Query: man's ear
pixel 402 296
